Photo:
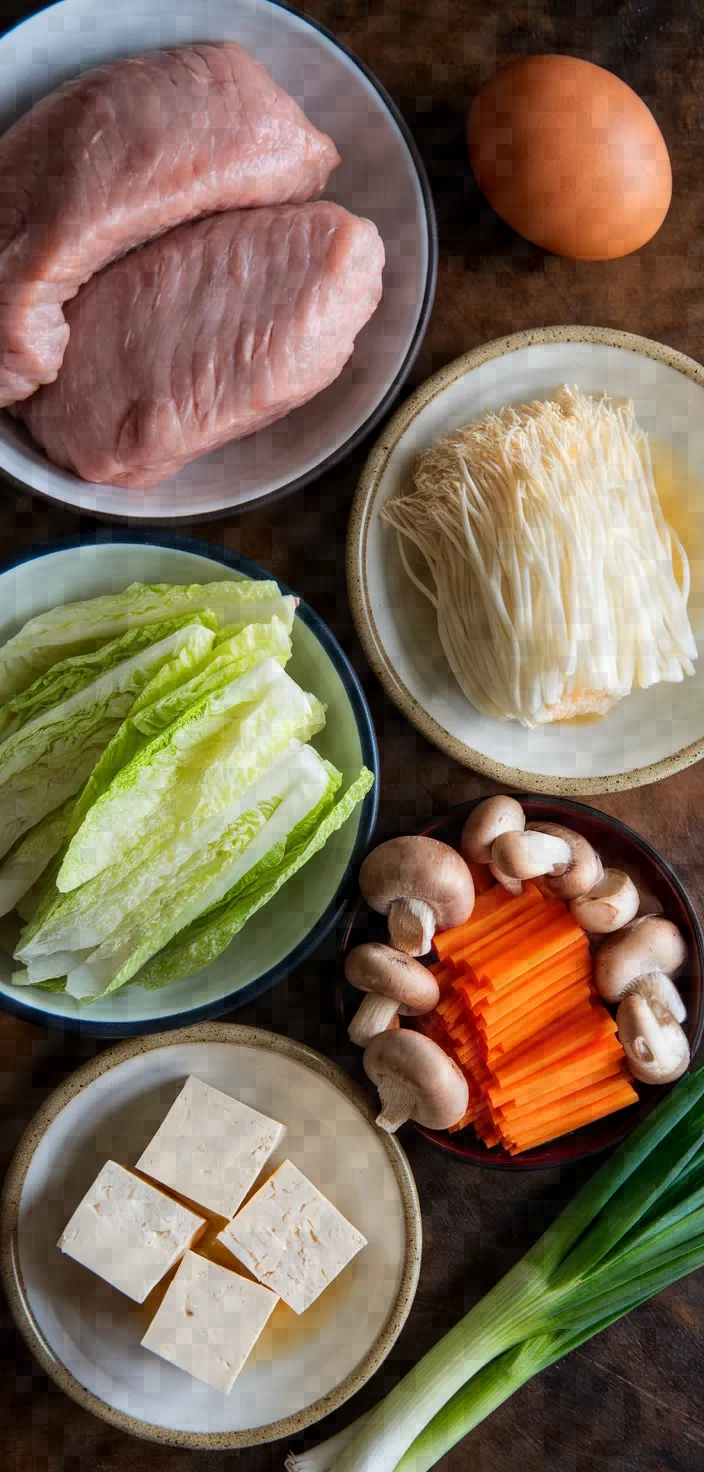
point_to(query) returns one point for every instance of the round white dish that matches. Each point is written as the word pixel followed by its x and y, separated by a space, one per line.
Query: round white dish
pixel 648 735
pixel 381 176
pixel 87 1336
pixel 288 929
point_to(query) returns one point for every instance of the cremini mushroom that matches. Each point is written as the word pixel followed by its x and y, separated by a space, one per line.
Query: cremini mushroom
pixel 654 1043
pixel 610 905
pixel 422 885
pixel 494 816
pixel 582 870
pixel 649 944
pixel 393 982
pixel 416 1080
pixel 491 818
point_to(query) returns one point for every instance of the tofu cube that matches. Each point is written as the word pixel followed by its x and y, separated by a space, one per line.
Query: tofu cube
pixel 292 1238
pixel 210 1148
pixel 129 1232
pixel 209 1321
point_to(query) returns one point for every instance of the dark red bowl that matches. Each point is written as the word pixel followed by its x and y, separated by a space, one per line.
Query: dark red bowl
pixel 619 847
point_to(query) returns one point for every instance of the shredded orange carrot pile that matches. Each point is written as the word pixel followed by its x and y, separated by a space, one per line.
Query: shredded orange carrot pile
pixel 519 1013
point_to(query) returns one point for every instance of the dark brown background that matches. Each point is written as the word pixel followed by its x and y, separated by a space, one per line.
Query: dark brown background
pixel 631 1400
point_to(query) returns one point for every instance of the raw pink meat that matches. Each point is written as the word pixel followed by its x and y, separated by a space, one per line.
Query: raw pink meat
pixel 206 335
pixel 122 154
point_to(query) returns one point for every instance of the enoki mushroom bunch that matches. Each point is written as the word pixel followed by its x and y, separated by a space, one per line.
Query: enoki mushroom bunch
pixel 558 584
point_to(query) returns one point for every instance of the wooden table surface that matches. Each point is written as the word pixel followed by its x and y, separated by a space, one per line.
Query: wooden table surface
pixel 629 1401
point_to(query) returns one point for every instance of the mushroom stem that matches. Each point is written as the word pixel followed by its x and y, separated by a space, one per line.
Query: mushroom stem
pixel 374 1016
pixel 527 855
pixel 412 926
pixel 398 1101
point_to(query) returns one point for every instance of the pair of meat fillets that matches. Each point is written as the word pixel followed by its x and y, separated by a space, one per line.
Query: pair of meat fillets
pixel 245 306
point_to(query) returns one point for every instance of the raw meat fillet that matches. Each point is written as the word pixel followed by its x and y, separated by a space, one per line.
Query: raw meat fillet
pixel 122 154
pixel 206 335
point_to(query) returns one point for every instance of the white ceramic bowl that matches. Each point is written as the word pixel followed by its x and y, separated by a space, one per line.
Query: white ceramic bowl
pixel 87 1336
pixel 288 929
pixel 381 177
pixel 647 736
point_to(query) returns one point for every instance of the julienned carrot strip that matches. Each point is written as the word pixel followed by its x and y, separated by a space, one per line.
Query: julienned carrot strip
pixel 562 1075
pixel 525 952
pixel 493 1022
pixel 502 973
pixel 495 1005
pixel 511 1111
pixel 509 936
pixel 558 1041
pixel 496 1042
pixel 525 1122
pixel 485 907
pixel 466 1119
pixel 482 877
pixel 553 1131
pixel 579 1011
pixel 493 909
pixel 536 1022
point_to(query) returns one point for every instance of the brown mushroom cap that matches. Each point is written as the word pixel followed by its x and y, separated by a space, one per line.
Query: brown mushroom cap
pixel 373 967
pixel 421 884
pixel 582 873
pixel 610 905
pixel 416 1080
pixel 490 818
pixel 648 944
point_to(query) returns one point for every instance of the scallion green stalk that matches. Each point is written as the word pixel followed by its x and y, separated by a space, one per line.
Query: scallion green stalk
pixel 634 1228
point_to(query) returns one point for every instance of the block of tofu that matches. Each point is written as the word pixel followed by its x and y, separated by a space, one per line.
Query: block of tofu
pixel 292 1238
pixel 210 1148
pixel 129 1232
pixel 209 1321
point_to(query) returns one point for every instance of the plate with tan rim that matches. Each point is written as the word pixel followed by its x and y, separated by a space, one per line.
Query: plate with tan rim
pixel 87 1336
pixel 650 734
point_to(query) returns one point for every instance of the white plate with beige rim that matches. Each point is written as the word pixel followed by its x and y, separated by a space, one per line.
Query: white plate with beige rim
pixel 87 1336
pixel 381 177
pixel 651 733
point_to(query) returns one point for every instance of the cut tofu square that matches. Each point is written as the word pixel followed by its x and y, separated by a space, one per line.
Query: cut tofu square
pixel 129 1232
pixel 292 1238
pixel 210 1148
pixel 209 1321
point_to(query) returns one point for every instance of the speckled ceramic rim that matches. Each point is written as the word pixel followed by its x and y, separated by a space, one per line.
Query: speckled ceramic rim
pixel 102 536
pixel 11 1274
pixel 426 299
pixel 363 508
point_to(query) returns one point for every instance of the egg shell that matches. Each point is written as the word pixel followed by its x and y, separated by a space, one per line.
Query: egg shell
pixel 570 157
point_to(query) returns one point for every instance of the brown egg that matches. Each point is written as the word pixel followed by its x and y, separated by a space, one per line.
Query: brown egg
pixel 570 157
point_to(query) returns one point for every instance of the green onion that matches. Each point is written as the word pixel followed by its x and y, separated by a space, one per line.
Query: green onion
pixel 633 1229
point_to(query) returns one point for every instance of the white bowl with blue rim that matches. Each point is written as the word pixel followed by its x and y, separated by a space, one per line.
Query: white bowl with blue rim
pixel 287 930
pixel 381 177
